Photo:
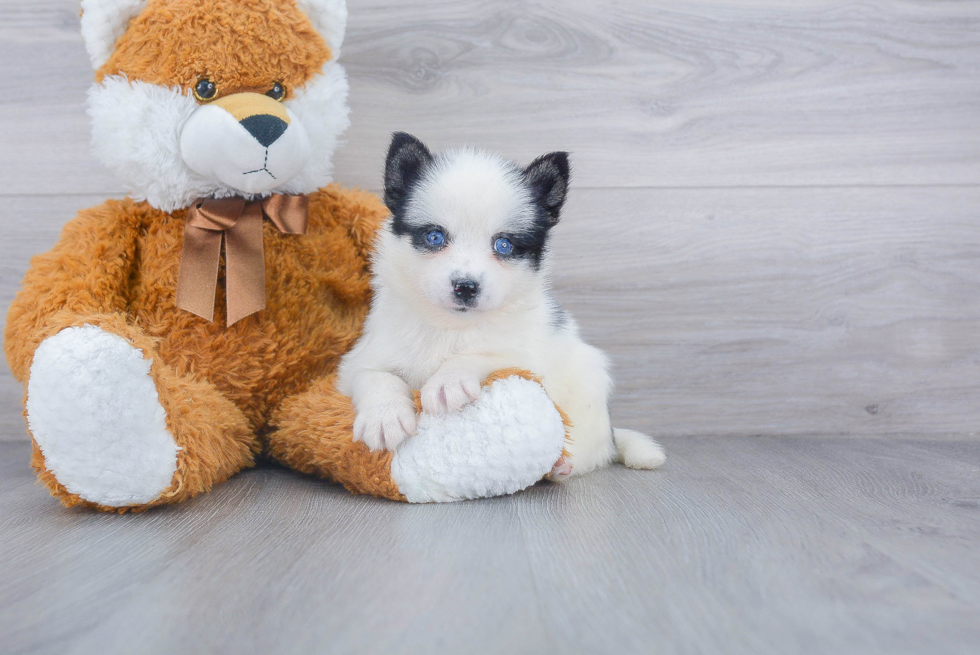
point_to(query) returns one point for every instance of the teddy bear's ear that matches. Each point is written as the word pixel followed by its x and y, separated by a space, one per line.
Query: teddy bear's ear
pixel 103 22
pixel 329 17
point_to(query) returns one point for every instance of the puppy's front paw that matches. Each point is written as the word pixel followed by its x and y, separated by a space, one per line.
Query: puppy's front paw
pixel 385 425
pixel 449 392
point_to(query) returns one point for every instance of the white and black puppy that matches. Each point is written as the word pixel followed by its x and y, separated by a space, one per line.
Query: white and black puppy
pixel 461 289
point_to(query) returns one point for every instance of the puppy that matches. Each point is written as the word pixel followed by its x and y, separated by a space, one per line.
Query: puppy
pixel 461 289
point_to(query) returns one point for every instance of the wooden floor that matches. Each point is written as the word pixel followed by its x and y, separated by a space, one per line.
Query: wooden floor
pixel 774 231
pixel 741 545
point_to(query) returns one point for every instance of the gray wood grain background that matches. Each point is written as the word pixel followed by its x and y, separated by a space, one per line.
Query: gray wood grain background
pixel 772 545
pixel 774 220
pixel 774 230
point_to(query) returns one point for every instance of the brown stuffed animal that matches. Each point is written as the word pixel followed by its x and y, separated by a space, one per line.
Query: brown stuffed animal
pixel 171 338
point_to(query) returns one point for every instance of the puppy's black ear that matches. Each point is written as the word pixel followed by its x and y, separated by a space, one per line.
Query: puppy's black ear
pixel 547 176
pixel 407 159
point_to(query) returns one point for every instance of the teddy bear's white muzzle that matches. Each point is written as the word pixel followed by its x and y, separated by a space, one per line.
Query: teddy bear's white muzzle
pixel 254 153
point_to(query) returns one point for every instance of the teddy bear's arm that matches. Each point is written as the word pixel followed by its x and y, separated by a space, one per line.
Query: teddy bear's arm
pixel 505 441
pixel 84 277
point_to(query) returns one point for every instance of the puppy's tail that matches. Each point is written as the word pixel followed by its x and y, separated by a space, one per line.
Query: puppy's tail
pixel 638 451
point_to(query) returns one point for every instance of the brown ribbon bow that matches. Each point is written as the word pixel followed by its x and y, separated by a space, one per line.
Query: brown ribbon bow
pixel 238 223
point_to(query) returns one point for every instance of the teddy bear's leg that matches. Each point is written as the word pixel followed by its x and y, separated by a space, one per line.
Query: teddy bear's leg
pixel 312 433
pixel 504 441
pixel 115 428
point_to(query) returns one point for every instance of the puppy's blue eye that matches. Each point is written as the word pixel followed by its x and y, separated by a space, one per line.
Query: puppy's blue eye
pixel 435 238
pixel 503 246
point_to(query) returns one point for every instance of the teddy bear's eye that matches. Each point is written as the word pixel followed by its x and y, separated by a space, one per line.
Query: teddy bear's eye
pixel 205 90
pixel 277 92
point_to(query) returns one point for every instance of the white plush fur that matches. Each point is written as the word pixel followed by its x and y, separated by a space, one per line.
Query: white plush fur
pixel 216 146
pixel 329 17
pixel 505 441
pixel 136 132
pixel 321 107
pixel 416 336
pixel 103 22
pixel 94 411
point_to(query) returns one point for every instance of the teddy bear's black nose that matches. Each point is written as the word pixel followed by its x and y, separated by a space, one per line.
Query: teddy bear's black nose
pixel 265 128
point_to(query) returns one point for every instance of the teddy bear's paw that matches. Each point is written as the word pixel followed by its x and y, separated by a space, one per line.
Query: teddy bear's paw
pixel 94 411
pixel 506 440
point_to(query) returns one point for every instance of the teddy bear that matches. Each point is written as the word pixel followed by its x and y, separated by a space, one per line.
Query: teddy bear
pixel 173 338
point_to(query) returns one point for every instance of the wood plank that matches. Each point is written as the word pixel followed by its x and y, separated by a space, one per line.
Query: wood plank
pixel 754 311
pixel 349 574
pixel 46 140
pixel 740 311
pixel 764 546
pixel 741 545
pixel 711 93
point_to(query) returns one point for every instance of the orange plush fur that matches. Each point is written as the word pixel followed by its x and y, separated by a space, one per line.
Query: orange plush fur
pixel 240 46
pixel 263 386
pixel 116 266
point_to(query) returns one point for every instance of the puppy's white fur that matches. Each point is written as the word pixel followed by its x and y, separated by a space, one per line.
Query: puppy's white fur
pixel 418 335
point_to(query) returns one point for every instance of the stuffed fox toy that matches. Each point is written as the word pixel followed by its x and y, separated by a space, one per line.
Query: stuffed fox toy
pixel 172 338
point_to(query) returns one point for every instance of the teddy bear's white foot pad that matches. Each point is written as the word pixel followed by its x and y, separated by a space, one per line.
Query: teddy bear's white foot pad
pixel 94 411
pixel 506 440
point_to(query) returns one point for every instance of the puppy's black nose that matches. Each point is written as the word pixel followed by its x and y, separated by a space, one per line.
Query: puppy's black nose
pixel 466 291
pixel 265 128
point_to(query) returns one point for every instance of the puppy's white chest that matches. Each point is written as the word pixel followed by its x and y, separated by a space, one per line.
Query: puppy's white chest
pixel 424 352
pixel 424 356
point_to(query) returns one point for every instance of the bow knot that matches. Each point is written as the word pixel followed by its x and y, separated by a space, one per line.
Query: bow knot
pixel 238 224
